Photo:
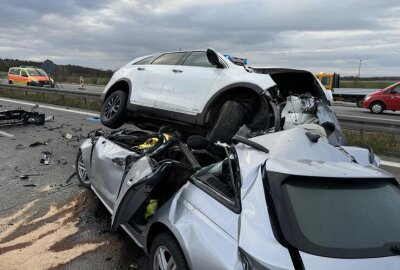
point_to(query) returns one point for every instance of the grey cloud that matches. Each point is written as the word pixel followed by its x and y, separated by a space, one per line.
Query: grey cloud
pixel 317 35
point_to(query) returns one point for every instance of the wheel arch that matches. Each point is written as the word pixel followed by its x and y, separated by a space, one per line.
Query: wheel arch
pixel 122 84
pixel 159 227
pixel 378 101
pixel 237 91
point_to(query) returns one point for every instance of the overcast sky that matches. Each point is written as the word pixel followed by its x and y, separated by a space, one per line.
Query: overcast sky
pixel 315 35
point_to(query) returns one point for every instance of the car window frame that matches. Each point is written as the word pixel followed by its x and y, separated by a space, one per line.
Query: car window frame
pixel 184 54
pixel 235 205
pixel 395 90
pixel 151 56
pixel 184 60
pixel 26 72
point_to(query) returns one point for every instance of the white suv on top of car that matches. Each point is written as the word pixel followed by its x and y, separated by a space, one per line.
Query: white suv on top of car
pixel 202 92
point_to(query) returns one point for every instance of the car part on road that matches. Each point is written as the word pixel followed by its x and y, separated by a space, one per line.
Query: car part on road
pixel 21 117
pixel 40 143
pixel 46 158
pixel 166 254
pixel 113 111
pixel 231 117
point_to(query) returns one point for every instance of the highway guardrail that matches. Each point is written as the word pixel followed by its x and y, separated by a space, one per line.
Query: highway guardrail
pixel 346 121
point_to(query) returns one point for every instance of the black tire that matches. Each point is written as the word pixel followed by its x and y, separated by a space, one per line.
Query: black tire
pixel 10 82
pixel 231 118
pixel 360 102
pixel 83 179
pixel 165 240
pixel 113 111
pixel 377 107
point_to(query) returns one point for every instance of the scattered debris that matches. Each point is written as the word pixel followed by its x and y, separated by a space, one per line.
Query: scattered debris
pixel 21 117
pixel 62 161
pixel 46 158
pixel 5 134
pixel 95 119
pixel 40 143
pixel 68 136
pixel 49 118
pixel 29 185
pixel 57 127
pixel 26 176
pixel 19 147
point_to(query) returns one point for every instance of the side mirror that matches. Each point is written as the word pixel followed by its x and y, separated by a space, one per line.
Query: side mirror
pixel 213 58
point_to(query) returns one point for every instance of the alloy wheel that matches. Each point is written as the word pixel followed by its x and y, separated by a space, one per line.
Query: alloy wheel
pixel 112 107
pixel 377 108
pixel 82 171
pixel 163 259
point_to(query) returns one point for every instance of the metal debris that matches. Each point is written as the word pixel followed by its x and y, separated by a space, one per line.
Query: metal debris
pixel 26 176
pixel 40 143
pixel 46 158
pixel 21 117
pixel 5 134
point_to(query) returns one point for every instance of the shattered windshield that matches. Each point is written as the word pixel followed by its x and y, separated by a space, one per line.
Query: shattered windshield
pixel 343 218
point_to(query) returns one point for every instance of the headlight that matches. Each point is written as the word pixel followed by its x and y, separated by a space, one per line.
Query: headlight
pixel 367 97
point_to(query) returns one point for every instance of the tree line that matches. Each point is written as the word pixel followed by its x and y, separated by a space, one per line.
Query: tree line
pixel 64 73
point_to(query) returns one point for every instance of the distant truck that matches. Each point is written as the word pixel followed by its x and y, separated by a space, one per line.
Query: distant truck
pixel 331 83
pixel 29 76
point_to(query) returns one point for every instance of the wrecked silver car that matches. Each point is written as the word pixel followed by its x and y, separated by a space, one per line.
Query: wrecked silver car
pixel 281 200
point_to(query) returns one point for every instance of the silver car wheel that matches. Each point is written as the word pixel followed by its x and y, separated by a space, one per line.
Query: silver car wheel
pixel 377 108
pixel 82 171
pixel 112 107
pixel 163 259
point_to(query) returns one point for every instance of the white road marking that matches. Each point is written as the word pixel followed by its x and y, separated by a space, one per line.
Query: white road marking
pixel 3 133
pixel 373 118
pixel 49 107
pixel 390 163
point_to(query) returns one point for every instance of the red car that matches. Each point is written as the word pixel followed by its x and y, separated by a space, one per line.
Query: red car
pixel 385 99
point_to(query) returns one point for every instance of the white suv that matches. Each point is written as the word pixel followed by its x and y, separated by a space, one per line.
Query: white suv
pixel 202 92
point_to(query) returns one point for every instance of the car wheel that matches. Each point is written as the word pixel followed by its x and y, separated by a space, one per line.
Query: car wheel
pixel 377 107
pixel 10 82
pixel 113 111
pixel 359 102
pixel 166 254
pixel 81 171
pixel 231 118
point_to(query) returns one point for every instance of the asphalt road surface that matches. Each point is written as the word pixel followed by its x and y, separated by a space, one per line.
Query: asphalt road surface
pixel 48 221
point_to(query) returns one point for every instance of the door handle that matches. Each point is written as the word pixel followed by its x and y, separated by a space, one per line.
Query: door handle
pixel 140 68
pixel 177 71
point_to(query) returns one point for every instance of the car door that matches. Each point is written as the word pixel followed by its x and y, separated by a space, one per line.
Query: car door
pixel 212 231
pixel 107 169
pixel 24 77
pixel 148 77
pixel 393 98
pixel 188 84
